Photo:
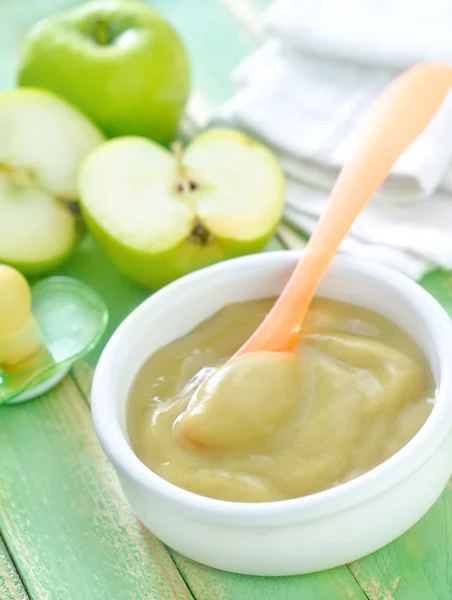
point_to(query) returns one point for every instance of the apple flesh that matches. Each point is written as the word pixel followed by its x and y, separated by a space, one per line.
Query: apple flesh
pixel 119 62
pixel 42 143
pixel 159 215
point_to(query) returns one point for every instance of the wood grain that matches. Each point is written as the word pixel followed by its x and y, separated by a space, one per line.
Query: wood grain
pixel 63 515
pixel 11 586
pixel 417 566
pixel 211 584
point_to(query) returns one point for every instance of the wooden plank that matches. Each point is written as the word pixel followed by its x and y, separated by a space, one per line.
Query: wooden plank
pixel 63 515
pixel 439 284
pixel 211 584
pixel 208 584
pixel 11 586
pixel 417 565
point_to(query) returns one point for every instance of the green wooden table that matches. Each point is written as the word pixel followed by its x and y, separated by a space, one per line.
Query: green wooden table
pixel 67 532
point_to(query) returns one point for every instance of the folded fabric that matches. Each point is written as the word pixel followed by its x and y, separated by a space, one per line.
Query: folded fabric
pixel 310 112
pixel 391 33
pixel 410 264
pixel 414 237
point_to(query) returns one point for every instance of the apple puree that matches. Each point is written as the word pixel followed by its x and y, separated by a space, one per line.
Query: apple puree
pixel 269 426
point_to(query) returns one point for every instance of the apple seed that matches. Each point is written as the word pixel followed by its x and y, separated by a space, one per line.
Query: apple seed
pixel 184 183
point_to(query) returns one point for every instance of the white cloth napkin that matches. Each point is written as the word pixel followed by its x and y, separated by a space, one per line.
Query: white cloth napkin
pixel 308 106
pixel 410 238
pixel 310 110
pixel 383 33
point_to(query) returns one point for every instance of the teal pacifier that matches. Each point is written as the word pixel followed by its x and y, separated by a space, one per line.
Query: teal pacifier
pixel 43 330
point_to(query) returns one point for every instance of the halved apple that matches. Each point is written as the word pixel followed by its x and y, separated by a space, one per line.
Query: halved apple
pixel 159 215
pixel 43 140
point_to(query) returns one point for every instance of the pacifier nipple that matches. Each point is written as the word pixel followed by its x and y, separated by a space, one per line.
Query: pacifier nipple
pixel 20 336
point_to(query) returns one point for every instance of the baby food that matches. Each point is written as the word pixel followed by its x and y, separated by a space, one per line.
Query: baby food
pixel 272 426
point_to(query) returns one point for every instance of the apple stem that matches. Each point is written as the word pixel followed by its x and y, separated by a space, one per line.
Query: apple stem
pixel 184 183
pixel 101 32
pixel 178 151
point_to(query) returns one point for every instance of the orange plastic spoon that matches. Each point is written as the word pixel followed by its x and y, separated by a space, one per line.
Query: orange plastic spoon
pixel 398 116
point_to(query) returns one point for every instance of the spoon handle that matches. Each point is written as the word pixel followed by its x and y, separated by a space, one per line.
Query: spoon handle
pixel 398 116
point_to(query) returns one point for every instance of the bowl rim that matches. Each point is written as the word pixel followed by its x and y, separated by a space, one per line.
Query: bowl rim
pixel 307 508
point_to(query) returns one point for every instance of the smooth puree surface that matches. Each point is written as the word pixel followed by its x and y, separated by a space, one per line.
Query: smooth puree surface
pixel 283 426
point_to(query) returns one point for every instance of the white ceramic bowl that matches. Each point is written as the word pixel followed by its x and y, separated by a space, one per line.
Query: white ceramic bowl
pixel 302 535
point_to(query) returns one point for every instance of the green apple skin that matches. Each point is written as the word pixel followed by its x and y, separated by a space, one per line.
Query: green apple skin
pixel 154 271
pixel 33 269
pixel 118 61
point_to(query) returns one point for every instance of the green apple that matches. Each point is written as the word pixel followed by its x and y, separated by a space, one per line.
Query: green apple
pixel 159 215
pixel 118 61
pixel 43 140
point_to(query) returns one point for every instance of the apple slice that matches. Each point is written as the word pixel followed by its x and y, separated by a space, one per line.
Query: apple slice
pixel 43 140
pixel 160 215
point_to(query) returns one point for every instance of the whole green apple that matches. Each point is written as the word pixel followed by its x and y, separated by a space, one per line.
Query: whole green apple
pixel 117 61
